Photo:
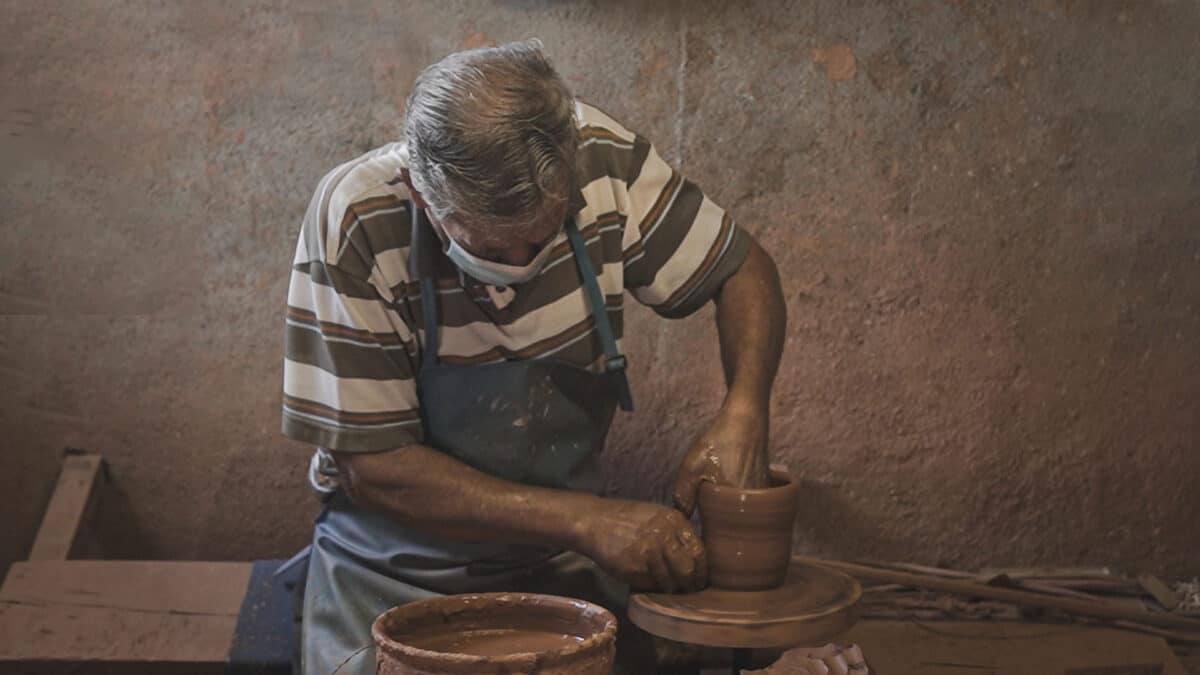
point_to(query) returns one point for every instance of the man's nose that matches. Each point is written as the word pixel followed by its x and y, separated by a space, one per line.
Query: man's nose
pixel 523 254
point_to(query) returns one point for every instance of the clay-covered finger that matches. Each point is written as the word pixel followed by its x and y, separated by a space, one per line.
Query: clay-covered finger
pixel 857 660
pixel 679 564
pixel 691 541
pixel 685 548
pixel 686 487
pixel 837 664
pixel 683 566
pixel 701 566
pixel 694 550
pixel 660 571
pixel 696 468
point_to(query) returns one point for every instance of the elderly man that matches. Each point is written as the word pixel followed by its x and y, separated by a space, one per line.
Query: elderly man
pixel 453 350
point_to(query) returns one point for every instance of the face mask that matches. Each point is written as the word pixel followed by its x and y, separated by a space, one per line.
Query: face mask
pixel 492 272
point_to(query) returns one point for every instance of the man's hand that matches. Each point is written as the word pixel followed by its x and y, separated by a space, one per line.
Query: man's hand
pixel 732 451
pixel 828 660
pixel 652 547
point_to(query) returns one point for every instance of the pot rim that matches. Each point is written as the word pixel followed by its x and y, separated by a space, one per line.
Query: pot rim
pixel 789 484
pixel 471 602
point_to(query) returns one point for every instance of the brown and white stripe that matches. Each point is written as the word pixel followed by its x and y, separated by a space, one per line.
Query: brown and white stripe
pixel 353 334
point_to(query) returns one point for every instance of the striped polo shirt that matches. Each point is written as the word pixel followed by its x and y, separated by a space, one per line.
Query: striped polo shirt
pixel 354 330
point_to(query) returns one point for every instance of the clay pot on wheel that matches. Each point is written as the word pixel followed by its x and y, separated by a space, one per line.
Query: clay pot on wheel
pixel 494 633
pixel 748 532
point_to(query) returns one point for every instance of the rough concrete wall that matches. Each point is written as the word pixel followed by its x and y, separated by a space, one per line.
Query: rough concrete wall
pixel 987 217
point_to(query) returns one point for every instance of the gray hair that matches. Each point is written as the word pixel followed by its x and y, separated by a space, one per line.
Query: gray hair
pixel 491 138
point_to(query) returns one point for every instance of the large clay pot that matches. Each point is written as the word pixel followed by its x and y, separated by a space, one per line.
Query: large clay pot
pixel 495 633
pixel 748 532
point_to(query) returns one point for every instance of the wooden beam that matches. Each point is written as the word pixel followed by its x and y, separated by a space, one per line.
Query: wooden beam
pixel 74 498
pixel 1097 608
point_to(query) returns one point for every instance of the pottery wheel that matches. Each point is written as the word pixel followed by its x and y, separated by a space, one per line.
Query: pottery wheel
pixel 813 604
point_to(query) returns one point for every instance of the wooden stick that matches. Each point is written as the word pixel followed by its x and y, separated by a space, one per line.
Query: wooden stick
pixel 1026 598
pixel 883 588
pixel 74 496
pixel 1048 572
pixel 1114 586
pixel 920 569
pixel 1166 597
pixel 1058 590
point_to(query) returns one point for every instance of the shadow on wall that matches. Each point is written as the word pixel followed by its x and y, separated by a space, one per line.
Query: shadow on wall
pixel 644 9
pixel 118 534
pixel 828 515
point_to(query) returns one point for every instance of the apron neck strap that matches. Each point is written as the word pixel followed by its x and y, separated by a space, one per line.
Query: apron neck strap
pixel 425 247
pixel 424 254
pixel 614 361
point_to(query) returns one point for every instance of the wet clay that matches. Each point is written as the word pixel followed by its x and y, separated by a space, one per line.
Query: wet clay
pixel 494 642
pixel 747 532
pixel 493 633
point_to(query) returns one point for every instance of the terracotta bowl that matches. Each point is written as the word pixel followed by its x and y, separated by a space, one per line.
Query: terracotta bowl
pixel 495 633
pixel 748 532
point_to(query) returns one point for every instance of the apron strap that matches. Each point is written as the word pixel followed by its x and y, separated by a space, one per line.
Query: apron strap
pixel 424 246
pixel 614 361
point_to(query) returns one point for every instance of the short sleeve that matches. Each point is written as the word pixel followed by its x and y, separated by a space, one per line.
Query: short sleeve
pixel 349 364
pixel 678 246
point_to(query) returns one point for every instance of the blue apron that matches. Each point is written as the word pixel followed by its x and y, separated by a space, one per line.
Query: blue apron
pixel 363 562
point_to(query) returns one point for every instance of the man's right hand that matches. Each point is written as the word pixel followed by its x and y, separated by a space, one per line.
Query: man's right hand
pixel 652 547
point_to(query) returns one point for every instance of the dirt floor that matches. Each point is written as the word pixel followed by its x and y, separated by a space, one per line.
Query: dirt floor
pixel 987 218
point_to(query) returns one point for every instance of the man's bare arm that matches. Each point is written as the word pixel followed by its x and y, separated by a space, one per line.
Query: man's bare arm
pixel 646 544
pixel 431 491
pixel 751 323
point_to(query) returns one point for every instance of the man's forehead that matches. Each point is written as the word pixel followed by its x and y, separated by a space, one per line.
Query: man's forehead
pixel 499 237
pixel 532 232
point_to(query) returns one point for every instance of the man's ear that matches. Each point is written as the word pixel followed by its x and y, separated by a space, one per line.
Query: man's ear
pixel 416 195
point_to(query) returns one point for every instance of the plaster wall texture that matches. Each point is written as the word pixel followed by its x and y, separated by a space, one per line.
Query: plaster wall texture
pixel 986 215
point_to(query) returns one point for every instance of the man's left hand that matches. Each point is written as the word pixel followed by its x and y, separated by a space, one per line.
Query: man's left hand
pixel 828 660
pixel 732 451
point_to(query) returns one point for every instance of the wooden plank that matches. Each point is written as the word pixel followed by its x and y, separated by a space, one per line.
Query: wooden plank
pixel 181 587
pixel 1002 648
pixel 1025 598
pixel 40 636
pixel 126 615
pixel 74 496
